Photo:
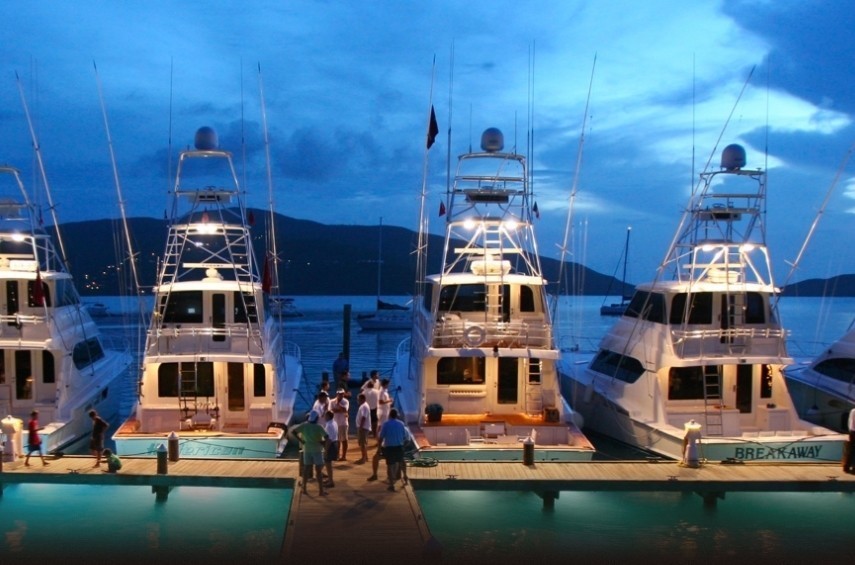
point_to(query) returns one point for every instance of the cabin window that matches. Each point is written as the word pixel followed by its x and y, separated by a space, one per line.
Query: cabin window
pixel 87 352
pixel 685 383
pixel 23 375
pixel 31 286
pixel 48 368
pixel 167 380
pixel 839 368
pixel 12 300
pixel 182 307
pixel 462 298
pixel 648 306
pixel 197 379
pixel 699 305
pixel 259 382
pixel 755 308
pixel 765 381
pixel 618 366
pixel 460 371
pixel 527 299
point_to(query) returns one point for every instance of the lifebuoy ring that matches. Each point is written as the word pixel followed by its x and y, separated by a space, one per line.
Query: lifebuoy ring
pixel 474 336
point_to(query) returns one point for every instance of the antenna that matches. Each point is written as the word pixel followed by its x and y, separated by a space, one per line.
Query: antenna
pixel 37 148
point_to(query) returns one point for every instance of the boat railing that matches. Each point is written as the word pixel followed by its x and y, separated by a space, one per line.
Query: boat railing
pixel 452 332
pixel 742 341
pixel 21 319
pixel 291 349
pixel 237 330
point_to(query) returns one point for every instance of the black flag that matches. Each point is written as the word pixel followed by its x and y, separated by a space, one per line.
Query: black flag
pixel 433 128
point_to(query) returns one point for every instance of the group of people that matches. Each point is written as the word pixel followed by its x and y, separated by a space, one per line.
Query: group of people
pixel 323 437
pixel 96 442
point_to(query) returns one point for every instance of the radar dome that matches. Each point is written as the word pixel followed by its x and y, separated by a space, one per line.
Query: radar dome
pixel 492 140
pixel 206 139
pixel 733 157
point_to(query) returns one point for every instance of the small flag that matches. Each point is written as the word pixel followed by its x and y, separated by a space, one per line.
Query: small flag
pixel 433 128
pixel 536 211
pixel 266 277
pixel 251 218
pixel 442 208
pixel 38 290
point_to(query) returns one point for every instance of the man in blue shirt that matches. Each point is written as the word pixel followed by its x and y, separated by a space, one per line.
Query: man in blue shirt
pixel 392 436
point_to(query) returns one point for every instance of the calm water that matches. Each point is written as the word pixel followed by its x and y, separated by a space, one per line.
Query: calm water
pixel 495 526
pixel 111 524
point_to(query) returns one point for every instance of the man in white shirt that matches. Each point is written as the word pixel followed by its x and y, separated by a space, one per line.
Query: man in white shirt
pixel 372 398
pixel 340 407
pixel 331 448
pixel 363 427
pixel 321 405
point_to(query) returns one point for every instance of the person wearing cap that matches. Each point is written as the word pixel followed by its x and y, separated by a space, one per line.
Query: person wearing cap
pixel 340 407
pixel 34 442
pixel 312 438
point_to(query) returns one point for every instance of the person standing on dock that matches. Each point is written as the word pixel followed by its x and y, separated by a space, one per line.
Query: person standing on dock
pixel 392 436
pixel 321 405
pixel 311 437
pixel 849 460
pixel 340 366
pixel 340 406
pixel 331 448
pixel 96 442
pixel 34 442
pixel 372 398
pixel 363 427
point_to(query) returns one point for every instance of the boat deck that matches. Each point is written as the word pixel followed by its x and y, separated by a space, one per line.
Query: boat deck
pixel 359 511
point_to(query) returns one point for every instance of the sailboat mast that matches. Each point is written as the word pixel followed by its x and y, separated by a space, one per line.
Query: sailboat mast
pixel 379 258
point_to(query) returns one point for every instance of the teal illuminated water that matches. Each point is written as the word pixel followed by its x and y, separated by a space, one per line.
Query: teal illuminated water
pixel 600 527
pixel 494 527
pixel 124 524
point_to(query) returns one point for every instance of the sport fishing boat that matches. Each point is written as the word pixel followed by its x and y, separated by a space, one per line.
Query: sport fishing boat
pixel 216 368
pixel 823 390
pixel 704 348
pixel 477 379
pixel 53 357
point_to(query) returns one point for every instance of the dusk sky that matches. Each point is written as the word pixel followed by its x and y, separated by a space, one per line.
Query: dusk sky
pixel 347 87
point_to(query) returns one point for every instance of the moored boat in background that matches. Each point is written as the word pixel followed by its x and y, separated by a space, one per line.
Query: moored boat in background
pixel 53 358
pixel 477 379
pixel 704 348
pixel 216 367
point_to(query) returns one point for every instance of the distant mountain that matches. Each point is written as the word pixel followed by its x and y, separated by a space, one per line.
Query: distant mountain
pixel 317 259
pixel 841 285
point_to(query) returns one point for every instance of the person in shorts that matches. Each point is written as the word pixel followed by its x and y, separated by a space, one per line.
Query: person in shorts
pixel 331 448
pixel 34 442
pixel 363 427
pixel 312 438
pixel 340 407
pixel 96 442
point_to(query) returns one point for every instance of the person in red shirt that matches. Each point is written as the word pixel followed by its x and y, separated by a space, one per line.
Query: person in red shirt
pixel 34 442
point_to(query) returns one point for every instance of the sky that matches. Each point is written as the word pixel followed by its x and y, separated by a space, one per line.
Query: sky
pixel 347 88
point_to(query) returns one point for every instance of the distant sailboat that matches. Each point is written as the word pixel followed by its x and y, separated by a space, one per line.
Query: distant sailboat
pixel 617 309
pixel 387 316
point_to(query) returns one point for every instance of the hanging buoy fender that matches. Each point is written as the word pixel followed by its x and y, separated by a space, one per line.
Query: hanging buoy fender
pixel 474 336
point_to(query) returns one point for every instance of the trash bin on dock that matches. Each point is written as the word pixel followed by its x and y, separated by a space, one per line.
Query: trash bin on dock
pixel 528 451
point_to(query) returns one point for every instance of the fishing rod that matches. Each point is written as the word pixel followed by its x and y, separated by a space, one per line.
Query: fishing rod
pixel 573 191
pixel 273 254
pixel 43 173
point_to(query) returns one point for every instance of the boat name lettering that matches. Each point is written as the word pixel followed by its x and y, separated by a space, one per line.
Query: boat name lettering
pixel 203 449
pixel 789 452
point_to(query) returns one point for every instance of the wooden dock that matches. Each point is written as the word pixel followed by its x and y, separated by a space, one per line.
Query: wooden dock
pixel 359 514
